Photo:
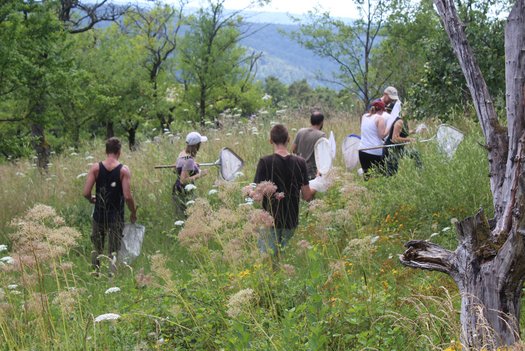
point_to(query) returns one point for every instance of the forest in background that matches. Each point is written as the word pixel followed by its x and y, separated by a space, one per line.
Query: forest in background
pixel 66 78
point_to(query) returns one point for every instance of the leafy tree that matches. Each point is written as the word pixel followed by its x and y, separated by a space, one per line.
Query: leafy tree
pixel 299 93
pixel 349 45
pixel 124 95
pixel 211 59
pixel 39 54
pixel 276 89
pixel 423 65
pixel 157 30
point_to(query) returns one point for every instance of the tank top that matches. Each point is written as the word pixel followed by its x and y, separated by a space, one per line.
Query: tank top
pixel 109 206
pixel 388 140
pixel 369 137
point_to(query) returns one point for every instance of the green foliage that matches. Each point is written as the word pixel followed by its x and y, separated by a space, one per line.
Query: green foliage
pixel 427 71
pixel 338 285
pixel 350 46
pixel 214 68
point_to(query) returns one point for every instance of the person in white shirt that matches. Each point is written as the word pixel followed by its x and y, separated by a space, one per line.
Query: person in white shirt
pixel 372 134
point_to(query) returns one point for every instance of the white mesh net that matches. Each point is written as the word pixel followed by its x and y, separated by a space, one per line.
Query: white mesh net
pixel 448 139
pixel 323 155
pixel 230 164
pixel 351 151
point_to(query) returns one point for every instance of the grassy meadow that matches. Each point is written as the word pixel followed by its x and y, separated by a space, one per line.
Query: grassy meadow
pixel 205 286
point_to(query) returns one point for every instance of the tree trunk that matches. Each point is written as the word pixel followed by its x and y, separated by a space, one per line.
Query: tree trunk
pixel 489 263
pixel 110 132
pixel 132 133
pixel 202 105
pixel 40 146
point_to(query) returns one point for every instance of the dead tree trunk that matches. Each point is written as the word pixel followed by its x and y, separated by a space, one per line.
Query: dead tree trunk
pixel 489 263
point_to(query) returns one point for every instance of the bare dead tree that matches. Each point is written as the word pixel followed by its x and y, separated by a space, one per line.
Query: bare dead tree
pixel 489 263
pixel 81 16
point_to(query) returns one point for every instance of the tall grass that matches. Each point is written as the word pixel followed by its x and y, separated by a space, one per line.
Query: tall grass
pixel 205 286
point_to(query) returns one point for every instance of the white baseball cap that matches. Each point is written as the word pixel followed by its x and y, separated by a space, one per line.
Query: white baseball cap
pixel 392 93
pixel 195 138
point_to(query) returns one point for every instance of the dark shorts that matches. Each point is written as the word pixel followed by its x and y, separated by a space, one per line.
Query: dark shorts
pixel 114 233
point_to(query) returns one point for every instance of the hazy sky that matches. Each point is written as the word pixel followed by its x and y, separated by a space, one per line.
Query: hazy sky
pixel 337 8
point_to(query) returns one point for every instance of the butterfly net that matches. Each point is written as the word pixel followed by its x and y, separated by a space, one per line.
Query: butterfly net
pixel 448 139
pixel 230 164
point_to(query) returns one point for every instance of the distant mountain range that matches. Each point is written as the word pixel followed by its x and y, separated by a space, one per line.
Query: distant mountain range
pixel 284 58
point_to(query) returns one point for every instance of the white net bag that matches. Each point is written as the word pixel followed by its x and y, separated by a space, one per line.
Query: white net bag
pixel 133 236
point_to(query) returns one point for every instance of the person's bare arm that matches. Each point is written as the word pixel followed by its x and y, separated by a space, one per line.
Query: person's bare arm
pixel 90 182
pixel 307 193
pixel 294 148
pixel 128 197
pixel 186 179
pixel 381 126
pixel 396 135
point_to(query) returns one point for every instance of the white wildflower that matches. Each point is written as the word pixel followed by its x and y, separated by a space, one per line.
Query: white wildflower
pixel 89 157
pixel 12 287
pixel 239 302
pixel 446 229
pixel 81 175
pixel 238 174
pixel 7 259
pixel 189 203
pixel 73 154
pixel 179 223
pixel 107 317
pixel 20 174
pixel 374 239
pixel 433 235
pixel 3 248
pixel 190 187
pixel 213 192
pixel 112 290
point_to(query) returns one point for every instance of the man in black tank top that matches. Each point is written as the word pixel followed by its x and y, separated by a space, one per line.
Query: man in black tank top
pixel 112 181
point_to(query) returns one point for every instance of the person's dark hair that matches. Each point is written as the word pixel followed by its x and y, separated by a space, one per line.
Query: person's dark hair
pixel 316 118
pixel 279 134
pixel 113 146
pixel 192 149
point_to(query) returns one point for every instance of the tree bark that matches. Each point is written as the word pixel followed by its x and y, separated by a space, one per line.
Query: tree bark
pixel 489 263
pixel 132 133
pixel 110 131
pixel 40 146
pixel 495 135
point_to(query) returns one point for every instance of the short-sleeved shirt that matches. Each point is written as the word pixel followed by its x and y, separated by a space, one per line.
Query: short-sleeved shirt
pixel 186 164
pixel 305 141
pixel 289 174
